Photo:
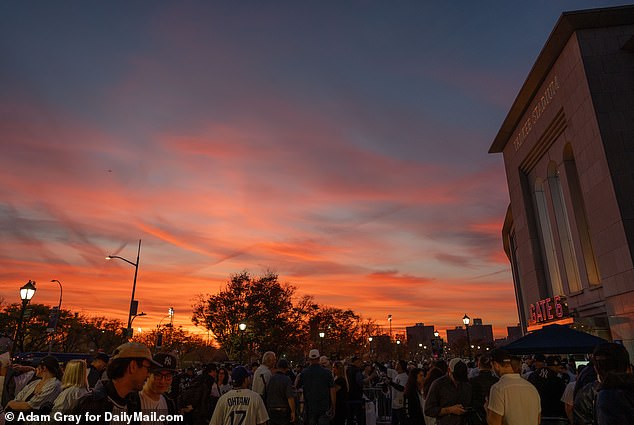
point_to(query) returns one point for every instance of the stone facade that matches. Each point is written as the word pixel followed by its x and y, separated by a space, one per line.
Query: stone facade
pixel 568 147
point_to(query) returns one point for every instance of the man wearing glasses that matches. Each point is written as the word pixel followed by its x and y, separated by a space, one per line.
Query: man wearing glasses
pixel 152 397
pixel 112 403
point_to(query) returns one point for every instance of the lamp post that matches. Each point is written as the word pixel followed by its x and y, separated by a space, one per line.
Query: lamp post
pixel 370 344
pixel 170 312
pixel 389 319
pixel 134 316
pixel 321 342
pixel 26 293
pixel 59 312
pixel 242 327
pixel 437 342
pixel 133 304
pixel 466 320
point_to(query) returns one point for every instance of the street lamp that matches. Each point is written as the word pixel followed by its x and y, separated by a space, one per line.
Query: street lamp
pixel 59 313
pixel 134 316
pixel 133 304
pixel 466 320
pixel 26 293
pixel 321 341
pixel 436 334
pixel 242 327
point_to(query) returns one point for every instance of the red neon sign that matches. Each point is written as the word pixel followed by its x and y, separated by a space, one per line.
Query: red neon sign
pixel 546 310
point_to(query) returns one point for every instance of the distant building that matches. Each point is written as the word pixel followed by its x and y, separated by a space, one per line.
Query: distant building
pixel 457 336
pixel 380 347
pixel 568 151
pixel 513 332
pixel 479 334
pixel 419 334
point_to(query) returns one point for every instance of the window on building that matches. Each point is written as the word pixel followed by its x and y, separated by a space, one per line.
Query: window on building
pixel 548 242
pixel 579 209
pixel 563 228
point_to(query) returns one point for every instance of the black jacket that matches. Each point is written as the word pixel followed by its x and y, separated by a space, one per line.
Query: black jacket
pixel 583 408
pixel 413 408
pixel 615 400
pixel 480 387
pixel 101 400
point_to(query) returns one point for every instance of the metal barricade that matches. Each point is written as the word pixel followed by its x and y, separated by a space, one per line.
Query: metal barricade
pixel 382 404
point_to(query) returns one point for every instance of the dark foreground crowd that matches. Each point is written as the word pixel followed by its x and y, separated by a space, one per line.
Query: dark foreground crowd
pixel 134 387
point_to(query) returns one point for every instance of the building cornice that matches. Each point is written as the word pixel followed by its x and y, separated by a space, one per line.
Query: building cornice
pixel 568 23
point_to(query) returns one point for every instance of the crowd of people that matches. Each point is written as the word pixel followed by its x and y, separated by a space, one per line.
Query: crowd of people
pixel 132 386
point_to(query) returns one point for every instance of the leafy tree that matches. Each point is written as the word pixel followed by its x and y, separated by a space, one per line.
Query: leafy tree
pixel 262 303
pixel 184 344
pixel 275 322
pixel 74 333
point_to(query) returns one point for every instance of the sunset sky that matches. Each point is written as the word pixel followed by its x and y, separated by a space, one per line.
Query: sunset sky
pixel 340 144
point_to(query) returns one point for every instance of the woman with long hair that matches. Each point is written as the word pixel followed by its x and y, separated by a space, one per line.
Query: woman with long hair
pixel 433 374
pixel 341 386
pixel 413 397
pixel 74 385
pixel 223 380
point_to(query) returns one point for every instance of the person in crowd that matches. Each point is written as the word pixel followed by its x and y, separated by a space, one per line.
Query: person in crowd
pixel 371 375
pixel 341 393
pixel 153 397
pixel 480 386
pixel 280 396
pixel 40 394
pixel 567 397
pixel 397 379
pixel 550 387
pixel 74 386
pixel 355 376
pixel 450 396
pixel 607 359
pixel 442 365
pixel 472 367
pixel 127 371
pixel 318 386
pixel 538 363
pixel 413 398
pixel 512 400
pixel 240 405
pixel 196 401
pixel 586 376
pixel 14 378
pixel 223 380
pixel 324 361
pixel 97 368
pixel 263 373
pixel 615 401
pixel 433 374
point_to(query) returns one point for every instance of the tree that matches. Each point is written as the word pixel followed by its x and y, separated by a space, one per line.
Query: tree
pixel 262 303
pixel 74 333
pixel 184 344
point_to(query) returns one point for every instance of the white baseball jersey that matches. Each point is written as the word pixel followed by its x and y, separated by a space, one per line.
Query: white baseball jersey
pixel 240 407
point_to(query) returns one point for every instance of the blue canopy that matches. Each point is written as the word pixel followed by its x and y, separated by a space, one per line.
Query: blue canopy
pixel 555 339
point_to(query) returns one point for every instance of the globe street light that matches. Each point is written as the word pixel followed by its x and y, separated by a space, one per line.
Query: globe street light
pixel 59 313
pixel 26 293
pixel 242 327
pixel 321 341
pixel 133 304
pixel 466 320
